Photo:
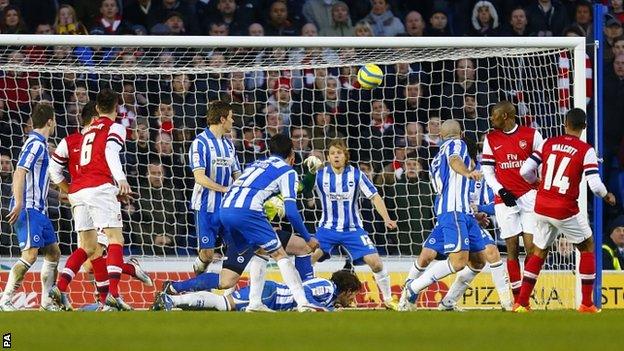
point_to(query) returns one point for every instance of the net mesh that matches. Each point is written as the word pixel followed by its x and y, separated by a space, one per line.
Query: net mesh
pixel 312 94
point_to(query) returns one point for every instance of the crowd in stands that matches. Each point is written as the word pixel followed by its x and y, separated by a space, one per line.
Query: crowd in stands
pixel 392 131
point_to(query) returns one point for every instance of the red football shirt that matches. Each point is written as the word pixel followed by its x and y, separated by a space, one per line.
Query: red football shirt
pixel 93 168
pixel 564 160
pixel 506 152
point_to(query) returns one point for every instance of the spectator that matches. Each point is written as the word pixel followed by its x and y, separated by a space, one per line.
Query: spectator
pixel 44 28
pixel 142 13
pixel 612 31
pixel 324 130
pixel 465 83
pixel 186 103
pixel 274 123
pixel 617 9
pixel 12 21
pixel 614 105
pixel 282 101
pixel 613 246
pixel 301 145
pixel 517 23
pixel 363 29
pixel 547 18
pixel 412 105
pixel 583 17
pixel 309 30
pixel 34 11
pixel 340 25
pixel 439 25
pixel 253 143
pixel 228 15
pixel 414 24
pixel 175 23
pixel 184 9
pixel 279 22
pixel 319 12
pixel 432 138
pixel 618 47
pixel 110 21
pixel 484 20
pixel 472 124
pixel 382 20
pixel 67 23
pixel 255 30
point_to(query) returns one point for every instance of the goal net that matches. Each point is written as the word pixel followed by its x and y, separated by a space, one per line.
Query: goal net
pixel 306 87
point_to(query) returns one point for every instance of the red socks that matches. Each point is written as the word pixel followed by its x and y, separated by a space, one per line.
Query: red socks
pixel 531 272
pixel 72 266
pixel 128 269
pixel 114 263
pixel 587 271
pixel 515 278
pixel 101 277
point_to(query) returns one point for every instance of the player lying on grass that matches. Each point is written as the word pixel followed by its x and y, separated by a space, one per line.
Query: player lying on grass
pixel 481 199
pixel 67 156
pixel 450 175
pixel 339 291
pixel 565 159
pixel 339 186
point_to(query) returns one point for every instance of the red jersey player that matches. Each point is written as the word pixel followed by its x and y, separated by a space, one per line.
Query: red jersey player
pixel 565 159
pixel 67 154
pixel 94 192
pixel 504 151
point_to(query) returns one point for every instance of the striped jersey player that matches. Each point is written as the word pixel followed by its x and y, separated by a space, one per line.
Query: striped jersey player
pixel 213 160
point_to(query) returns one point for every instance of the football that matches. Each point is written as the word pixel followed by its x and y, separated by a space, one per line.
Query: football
pixel 370 76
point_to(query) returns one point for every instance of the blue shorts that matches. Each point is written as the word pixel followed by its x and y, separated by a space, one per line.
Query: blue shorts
pixel 249 229
pixel 461 232
pixel 237 261
pixel 34 230
pixel 269 298
pixel 357 243
pixel 435 240
pixel 209 229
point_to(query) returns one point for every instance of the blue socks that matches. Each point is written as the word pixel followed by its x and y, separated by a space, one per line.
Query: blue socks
pixel 303 264
pixel 203 282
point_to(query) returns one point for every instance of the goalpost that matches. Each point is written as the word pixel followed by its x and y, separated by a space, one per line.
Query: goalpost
pixel 307 87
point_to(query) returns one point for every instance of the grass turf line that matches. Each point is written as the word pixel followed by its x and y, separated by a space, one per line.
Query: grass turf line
pixel 348 330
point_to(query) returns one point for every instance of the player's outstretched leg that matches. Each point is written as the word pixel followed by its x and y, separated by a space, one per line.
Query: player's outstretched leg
pixel 16 276
pixel 257 278
pixel 427 255
pixel 383 280
pixel 134 269
pixel 458 288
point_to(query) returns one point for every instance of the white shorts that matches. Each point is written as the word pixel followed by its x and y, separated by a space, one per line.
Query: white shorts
pixel 102 239
pixel 95 208
pixel 576 229
pixel 518 219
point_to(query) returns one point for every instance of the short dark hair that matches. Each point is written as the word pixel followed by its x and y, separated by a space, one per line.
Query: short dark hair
pixel 217 110
pixel 346 281
pixel 280 145
pixel 88 113
pixel 107 100
pixel 576 119
pixel 42 113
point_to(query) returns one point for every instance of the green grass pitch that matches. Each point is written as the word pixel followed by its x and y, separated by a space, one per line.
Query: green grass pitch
pixel 347 330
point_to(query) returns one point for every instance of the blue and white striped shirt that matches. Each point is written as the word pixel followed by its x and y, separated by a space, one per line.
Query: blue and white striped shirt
pixel 218 158
pixel 339 194
pixel 481 194
pixel 261 180
pixel 34 158
pixel 452 189
pixel 320 292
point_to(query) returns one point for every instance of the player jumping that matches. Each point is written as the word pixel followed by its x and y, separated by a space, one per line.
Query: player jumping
pixel 504 151
pixel 339 185
pixel 27 211
pixel 564 160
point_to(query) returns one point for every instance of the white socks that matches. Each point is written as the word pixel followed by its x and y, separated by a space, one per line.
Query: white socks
pixel 501 282
pixel 415 271
pixel 293 281
pixel 461 283
pixel 436 271
pixel 257 273
pixel 215 267
pixel 48 278
pixel 18 271
pixel 201 300
pixel 383 282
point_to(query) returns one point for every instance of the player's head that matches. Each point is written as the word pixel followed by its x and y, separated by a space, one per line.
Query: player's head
pixel 43 117
pixel 575 120
pixel 106 103
pixel 450 129
pixel 281 145
pixel 88 114
pixel 503 115
pixel 338 153
pixel 220 113
pixel 348 286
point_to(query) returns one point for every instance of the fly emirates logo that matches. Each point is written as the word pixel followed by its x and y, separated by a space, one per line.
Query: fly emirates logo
pixel 512 162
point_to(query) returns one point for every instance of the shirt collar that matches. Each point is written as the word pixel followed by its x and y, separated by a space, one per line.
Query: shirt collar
pixel 38 136
pixel 513 130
